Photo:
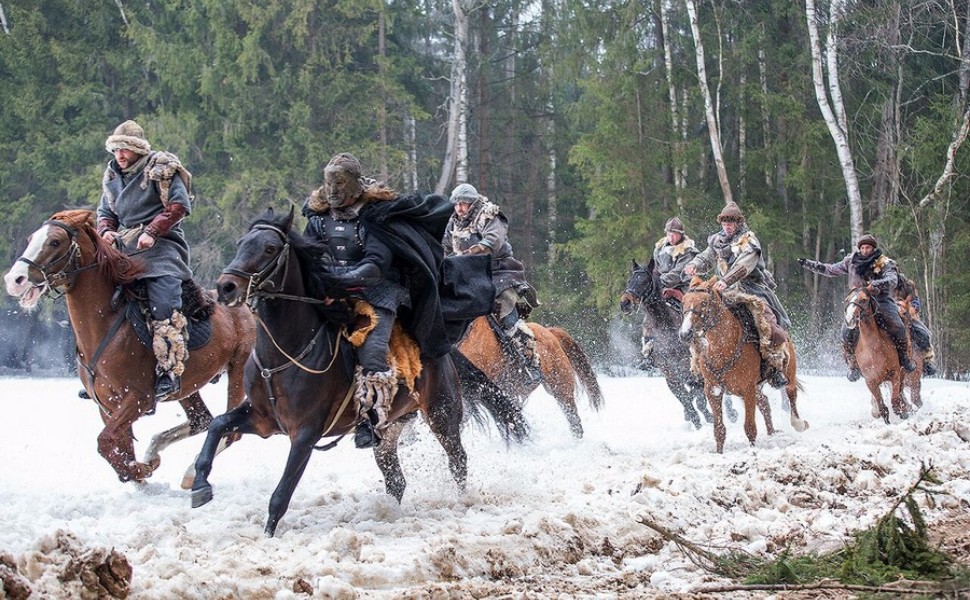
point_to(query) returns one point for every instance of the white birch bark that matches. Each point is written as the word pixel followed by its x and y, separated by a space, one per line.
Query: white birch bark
pixel 742 136
pixel 678 146
pixel 3 21
pixel 765 113
pixel 121 9
pixel 712 125
pixel 835 124
pixel 411 135
pixel 454 167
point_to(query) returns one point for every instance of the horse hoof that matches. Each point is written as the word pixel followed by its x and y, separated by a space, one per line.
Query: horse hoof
pixel 201 496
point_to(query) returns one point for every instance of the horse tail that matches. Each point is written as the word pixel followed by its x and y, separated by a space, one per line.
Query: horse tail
pixel 478 391
pixel 580 363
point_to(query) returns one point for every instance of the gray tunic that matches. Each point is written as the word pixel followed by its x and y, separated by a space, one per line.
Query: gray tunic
pixel 670 260
pixel 125 201
pixel 882 275
pixel 489 227
pixel 740 265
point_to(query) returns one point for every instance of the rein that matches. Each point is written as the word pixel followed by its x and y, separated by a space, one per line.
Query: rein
pixel 58 283
pixel 258 288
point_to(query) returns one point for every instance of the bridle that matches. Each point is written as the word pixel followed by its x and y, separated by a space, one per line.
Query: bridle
pixel 863 306
pixel 59 282
pixel 261 283
pixel 704 318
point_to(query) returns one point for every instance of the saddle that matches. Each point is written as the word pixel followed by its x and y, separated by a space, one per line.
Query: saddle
pixel 198 306
pixel 403 353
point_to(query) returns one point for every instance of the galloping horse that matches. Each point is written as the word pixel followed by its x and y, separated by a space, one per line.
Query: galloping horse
pixel 876 356
pixel 661 322
pixel 67 256
pixel 562 362
pixel 729 362
pixel 299 381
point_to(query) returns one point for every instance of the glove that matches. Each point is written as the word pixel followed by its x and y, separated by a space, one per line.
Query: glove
pixel 805 263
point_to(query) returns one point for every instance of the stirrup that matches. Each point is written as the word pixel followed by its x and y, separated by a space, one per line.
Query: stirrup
pixel 778 380
pixel 365 436
pixel 908 365
pixel 166 385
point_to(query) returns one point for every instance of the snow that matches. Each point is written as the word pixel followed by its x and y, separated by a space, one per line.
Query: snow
pixel 555 518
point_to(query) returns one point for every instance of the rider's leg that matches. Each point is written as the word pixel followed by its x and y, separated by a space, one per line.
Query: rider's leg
pixel 515 329
pixel 375 382
pixel 849 339
pixel 920 336
pixel 170 334
pixel 887 314
pixel 777 355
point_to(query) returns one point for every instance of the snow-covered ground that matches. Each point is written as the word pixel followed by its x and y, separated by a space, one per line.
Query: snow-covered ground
pixel 556 518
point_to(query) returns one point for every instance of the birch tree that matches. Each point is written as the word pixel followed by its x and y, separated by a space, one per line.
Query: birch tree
pixel 712 123
pixel 831 105
pixel 679 166
pixel 455 164
pixel 3 21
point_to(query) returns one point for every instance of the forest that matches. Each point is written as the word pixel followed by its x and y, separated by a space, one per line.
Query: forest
pixel 591 122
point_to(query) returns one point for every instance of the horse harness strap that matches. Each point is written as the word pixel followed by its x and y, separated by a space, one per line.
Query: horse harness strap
pixel 90 368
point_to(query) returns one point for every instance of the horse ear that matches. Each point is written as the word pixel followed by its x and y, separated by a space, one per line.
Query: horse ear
pixel 636 267
pixel 289 219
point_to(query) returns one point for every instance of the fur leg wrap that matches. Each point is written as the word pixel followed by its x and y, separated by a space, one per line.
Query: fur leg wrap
pixel 375 391
pixel 525 342
pixel 169 343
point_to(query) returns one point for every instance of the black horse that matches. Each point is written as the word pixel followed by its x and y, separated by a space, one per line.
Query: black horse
pixel 661 320
pixel 299 378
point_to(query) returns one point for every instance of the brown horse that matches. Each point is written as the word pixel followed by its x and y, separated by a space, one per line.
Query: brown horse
pixel 565 367
pixel 730 362
pixel 66 256
pixel 912 381
pixel 877 358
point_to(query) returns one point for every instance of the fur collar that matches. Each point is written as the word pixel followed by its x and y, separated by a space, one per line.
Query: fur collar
pixel 317 202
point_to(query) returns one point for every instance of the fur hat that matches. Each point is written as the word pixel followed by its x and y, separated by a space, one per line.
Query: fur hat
pixel 731 212
pixel 675 225
pixel 867 239
pixel 128 136
pixel 464 191
pixel 345 161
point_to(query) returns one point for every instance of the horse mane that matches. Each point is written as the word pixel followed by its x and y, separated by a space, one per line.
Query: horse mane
pixel 114 265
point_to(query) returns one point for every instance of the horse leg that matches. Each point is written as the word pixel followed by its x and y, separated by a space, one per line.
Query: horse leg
pixel 387 459
pixel 762 403
pixel 199 418
pixel 717 410
pixel 732 413
pixel 898 399
pixel 561 384
pixel 116 443
pixel 751 400
pixel 301 446
pixel 236 420
pixel 790 394
pixel 678 388
pixel 879 408
pixel 444 414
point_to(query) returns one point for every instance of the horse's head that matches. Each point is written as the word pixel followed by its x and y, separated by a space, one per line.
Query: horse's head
pixel 50 258
pixel 260 260
pixel 702 308
pixel 640 287
pixel 856 307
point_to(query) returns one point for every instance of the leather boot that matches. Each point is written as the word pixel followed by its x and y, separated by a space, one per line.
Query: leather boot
pixel 365 436
pixel 779 337
pixel 929 363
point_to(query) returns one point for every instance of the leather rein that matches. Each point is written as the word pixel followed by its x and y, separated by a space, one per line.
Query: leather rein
pixel 261 285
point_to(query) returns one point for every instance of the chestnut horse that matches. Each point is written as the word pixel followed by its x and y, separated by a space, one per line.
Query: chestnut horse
pixel 66 255
pixel 877 358
pixel 565 367
pixel 300 380
pixel 729 362
pixel 672 356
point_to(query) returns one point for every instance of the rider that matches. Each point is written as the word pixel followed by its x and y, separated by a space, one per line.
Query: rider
pixel 869 267
pixel 671 254
pixel 374 237
pixel 144 197
pixel 737 254
pixel 479 227
pixel 919 333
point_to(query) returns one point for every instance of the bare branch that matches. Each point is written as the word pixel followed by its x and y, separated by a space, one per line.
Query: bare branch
pixel 951 152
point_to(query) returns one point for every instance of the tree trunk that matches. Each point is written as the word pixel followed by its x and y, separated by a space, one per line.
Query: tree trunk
pixel 677 155
pixel 3 21
pixel 411 135
pixel 382 77
pixel 712 124
pixel 765 113
pixel 454 166
pixel 833 111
